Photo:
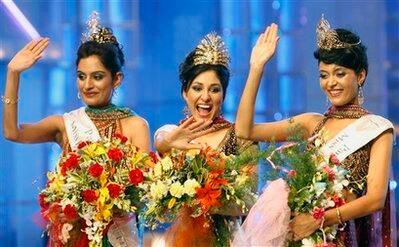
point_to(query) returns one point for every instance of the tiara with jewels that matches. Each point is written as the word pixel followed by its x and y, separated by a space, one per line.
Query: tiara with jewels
pixel 327 38
pixel 212 50
pixel 97 33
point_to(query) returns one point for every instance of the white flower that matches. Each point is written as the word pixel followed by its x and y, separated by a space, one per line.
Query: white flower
pixel 158 190
pixel 167 163
pixel 308 242
pixel 65 232
pixel 189 187
pixel 176 189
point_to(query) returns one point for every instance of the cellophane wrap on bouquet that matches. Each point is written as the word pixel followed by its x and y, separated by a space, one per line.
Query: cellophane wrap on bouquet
pixel 200 182
pixel 315 184
pixel 92 188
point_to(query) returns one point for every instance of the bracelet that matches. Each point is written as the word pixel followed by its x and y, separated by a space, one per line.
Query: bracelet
pixel 342 225
pixel 8 101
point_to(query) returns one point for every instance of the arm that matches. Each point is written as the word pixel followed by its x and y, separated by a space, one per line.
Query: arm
pixel 48 129
pixel 181 136
pixel 377 186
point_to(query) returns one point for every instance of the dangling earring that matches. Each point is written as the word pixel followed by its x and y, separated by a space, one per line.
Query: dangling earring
pixel 186 112
pixel 360 94
pixel 79 96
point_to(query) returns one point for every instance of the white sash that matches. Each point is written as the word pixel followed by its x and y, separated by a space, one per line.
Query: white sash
pixel 79 128
pixel 356 135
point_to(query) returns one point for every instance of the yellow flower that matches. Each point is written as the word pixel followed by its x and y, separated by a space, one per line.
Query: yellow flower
pixel 176 189
pixel 192 153
pixel 104 211
pixel 158 170
pixel 103 179
pixel 241 179
pixel 171 202
pixel 104 195
pixel 57 180
pixel 137 158
pixel 94 150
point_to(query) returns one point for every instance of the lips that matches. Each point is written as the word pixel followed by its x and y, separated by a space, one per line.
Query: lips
pixel 204 110
pixel 335 92
pixel 90 94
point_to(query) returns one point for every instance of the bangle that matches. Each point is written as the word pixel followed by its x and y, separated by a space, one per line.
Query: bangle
pixel 8 101
pixel 342 225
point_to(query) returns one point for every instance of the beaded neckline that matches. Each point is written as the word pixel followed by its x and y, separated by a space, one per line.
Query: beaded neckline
pixel 108 112
pixel 350 111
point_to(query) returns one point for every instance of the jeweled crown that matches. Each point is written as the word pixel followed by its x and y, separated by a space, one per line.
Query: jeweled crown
pixel 327 37
pixel 97 33
pixel 212 50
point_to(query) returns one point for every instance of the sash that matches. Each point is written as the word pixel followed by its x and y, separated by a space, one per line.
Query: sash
pixel 80 128
pixel 123 232
pixel 356 135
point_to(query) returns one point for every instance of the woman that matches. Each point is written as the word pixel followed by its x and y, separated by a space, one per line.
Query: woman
pixel 204 75
pixel 343 68
pixel 99 72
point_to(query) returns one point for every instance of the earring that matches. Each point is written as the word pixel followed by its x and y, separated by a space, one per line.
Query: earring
pixel 79 96
pixel 360 95
pixel 186 111
pixel 328 102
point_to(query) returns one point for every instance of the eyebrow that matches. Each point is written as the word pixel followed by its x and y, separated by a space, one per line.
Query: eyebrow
pixel 200 83
pixel 97 71
pixel 335 69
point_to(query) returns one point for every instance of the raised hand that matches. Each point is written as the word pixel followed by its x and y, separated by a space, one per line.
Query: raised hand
pixel 265 46
pixel 182 136
pixel 28 55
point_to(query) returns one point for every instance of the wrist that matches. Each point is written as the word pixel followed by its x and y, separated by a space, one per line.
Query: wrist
pixel 257 67
pixel 13 71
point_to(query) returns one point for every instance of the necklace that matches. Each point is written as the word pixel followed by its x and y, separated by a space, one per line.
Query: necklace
pixel 109 112
pixel 350 111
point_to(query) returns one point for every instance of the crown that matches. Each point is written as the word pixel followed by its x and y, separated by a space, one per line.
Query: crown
pixel 212 50
pixel 327 38
pixel 97 33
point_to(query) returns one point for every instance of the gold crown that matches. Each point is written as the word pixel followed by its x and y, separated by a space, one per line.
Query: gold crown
pixel 97 33
pixel 212 50
pixel 327 38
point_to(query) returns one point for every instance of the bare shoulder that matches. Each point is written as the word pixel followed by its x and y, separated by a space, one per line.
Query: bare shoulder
pixel 136 121
pixel 309 120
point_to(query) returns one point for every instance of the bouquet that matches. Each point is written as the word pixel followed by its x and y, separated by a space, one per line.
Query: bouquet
pixel 92 185
pixel 203 180
pixel 316 183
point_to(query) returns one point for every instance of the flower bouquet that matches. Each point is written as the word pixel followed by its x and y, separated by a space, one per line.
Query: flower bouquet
pixel 316 183
pixel 203 180
pixel 90 186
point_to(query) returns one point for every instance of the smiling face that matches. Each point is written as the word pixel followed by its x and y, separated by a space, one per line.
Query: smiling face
pixel 95 82
pixel 204 96
pixel 340 84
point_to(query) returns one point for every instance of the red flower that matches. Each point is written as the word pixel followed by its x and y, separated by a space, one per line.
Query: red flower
pixel 318 213
pixel 89 195
pixel 121 137
pixel 338 201
pixel 42 200
pixel 329 171
pixel 326 245
pixel 114 190
pixel 153 157
pixel 291 173
pixel 95 170
pixel 83 144
pixel 70 212
pixel 208 197
pixel 334 159
pixel 215 179
pixel 115 154
pixel 71 163
pixel 136 176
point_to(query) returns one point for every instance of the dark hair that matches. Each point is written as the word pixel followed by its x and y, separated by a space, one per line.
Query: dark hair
pixel 354 57
pixel 188 71
pixel 110 55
